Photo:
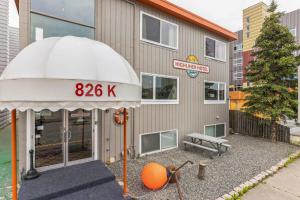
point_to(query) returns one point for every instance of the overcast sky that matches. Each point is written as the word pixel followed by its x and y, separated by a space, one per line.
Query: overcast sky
pixel 227 13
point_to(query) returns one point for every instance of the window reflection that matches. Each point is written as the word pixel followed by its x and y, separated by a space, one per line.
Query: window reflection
pixel 50 27
pixel 166 88
pixel 72 10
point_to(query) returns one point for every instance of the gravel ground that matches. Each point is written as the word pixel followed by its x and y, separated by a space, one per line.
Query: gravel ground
pixel 247 158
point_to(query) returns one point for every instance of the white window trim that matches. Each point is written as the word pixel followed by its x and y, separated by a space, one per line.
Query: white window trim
pixel 160 149
pixel 216 101
pixel 293 29
pixel 215 125
pixel 205 56
pixel 153 42
pixel 154 100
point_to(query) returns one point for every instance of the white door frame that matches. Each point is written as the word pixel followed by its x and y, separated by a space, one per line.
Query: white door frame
pixel 30 141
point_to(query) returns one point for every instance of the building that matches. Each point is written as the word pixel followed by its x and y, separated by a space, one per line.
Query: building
pixel 160 40
pixel 9 47
pixel 253 18
pixel 13 42
pixel 3 35
pixel 236 62
pixel 292 21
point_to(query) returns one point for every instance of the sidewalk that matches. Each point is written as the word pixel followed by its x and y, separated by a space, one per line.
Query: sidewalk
pixel 285 185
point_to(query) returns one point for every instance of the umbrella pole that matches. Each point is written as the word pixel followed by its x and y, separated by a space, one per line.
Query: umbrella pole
pixel 14 155
pixel 125 154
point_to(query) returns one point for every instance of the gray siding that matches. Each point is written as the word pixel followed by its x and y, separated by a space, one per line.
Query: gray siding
pixel 292 20
pixel 118 25
pixel 116 20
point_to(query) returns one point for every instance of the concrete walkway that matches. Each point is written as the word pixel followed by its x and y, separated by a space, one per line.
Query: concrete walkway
pixel 285 185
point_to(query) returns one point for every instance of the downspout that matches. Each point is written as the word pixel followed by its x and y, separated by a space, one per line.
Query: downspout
pixel 132 148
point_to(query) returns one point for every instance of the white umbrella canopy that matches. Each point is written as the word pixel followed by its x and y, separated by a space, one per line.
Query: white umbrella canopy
pixel 68 73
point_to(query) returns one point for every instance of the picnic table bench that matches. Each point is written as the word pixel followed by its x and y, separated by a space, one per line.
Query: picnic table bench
pixel 215 144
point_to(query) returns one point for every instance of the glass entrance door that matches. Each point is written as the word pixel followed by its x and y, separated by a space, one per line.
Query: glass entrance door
pixel 63 138
pixel 49 147
pixel 79 136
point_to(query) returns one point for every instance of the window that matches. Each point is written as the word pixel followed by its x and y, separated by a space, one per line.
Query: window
pixel 248 27
pixel 158 31
pixel 159 89
pixel 72 10
pixel 215 130
pixel 158 141
pixel 43 27
pixel 215 92
pixel 248 34
pixel 237 75
pixel 293 31
pixel 237 61
pixel 248 19
pixel 215 49
pixel 238 47
pixel 61 18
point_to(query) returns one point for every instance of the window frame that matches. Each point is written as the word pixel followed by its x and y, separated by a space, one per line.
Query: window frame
pixel 216 125
pixel 216 40
pixel 158 43
pixel 160 148
pixel 154 100
pixel 294 30
pixel 216 101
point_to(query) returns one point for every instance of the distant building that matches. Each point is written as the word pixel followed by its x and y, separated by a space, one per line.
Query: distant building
pixel 13 42
pixel 292 21
pixel 236 61
pixel 9 47
pixel 253 18
pixel 3 34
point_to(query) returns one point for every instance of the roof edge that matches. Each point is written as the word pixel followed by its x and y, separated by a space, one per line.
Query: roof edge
pixel 186 15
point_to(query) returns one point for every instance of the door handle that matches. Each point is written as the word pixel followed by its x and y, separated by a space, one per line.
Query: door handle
pixel 69 135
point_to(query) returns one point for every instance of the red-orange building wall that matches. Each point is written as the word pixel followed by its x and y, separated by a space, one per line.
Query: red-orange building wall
pixel 246 59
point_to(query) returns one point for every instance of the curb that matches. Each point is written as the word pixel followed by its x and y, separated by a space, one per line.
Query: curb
pixel 248 185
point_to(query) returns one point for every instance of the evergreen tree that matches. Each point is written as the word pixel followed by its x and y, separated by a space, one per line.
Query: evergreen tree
pixel 273 90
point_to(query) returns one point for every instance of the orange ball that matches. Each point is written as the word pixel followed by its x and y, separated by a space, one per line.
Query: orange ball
pixel 154 176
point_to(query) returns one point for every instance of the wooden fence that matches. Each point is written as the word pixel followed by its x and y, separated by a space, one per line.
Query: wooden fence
pixel 244 124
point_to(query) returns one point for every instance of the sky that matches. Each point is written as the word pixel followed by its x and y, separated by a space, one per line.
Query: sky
pixel 227 13
pixel 13 14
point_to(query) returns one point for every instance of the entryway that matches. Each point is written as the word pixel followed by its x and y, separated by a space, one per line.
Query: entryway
pixel 63 138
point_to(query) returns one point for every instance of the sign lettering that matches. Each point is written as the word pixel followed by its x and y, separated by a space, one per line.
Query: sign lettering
pixel 90 90
pixel 179 64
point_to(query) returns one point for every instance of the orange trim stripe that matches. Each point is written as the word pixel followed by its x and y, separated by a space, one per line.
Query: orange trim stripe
pixel 186 15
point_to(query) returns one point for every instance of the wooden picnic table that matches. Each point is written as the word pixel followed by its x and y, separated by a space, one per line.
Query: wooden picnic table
pixel 215 143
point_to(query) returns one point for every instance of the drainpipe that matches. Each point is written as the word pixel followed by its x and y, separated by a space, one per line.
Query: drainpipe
pixel 14 155
pixel 132 152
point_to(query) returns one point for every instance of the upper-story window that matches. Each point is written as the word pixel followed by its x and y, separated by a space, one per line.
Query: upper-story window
pixel 238 47
pixel 159 89
pixel 248 34
pixel 215 49
pixel 61 18
pixel 293 31
pixel 248 19
pixel 158 31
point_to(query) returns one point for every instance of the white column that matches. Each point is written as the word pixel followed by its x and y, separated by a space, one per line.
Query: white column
pixel 29 136
pixel 96 134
